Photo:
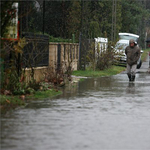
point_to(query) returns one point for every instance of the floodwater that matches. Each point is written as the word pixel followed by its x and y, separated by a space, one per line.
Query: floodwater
pixel 107 113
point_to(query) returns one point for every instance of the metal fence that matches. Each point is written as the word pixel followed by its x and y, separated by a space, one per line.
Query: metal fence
pixel 85 47
pixel 36 51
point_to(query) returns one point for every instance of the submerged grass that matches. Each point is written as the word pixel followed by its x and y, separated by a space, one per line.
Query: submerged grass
pixel 45 94
pixel 8 103
pixel 107 72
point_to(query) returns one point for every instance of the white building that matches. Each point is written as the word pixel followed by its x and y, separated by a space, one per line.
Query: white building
pixel 101 45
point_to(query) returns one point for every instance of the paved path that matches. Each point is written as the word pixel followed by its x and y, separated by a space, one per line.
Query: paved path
pixel 145 66
pixel 107 113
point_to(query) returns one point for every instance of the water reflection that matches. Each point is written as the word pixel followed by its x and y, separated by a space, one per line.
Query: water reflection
pixel 97 113
pixel 130 88
pixel 104 85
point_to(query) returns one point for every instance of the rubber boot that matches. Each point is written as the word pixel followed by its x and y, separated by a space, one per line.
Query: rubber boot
pixel 133 78
pixel 129 76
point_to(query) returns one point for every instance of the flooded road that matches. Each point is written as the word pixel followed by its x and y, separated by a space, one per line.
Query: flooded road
pixel 95 114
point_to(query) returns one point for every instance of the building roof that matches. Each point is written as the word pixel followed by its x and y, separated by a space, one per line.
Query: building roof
pixel 129 34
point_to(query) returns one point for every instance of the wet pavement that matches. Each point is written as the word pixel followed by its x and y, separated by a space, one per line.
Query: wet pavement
pixel 107 113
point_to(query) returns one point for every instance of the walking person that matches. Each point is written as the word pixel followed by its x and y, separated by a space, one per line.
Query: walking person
pixel 133 54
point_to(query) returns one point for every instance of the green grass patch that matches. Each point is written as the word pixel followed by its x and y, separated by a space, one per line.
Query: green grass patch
pixel 44 94
pixel 144 54
pixel 8 103
pixel 99 73
pixel 10 100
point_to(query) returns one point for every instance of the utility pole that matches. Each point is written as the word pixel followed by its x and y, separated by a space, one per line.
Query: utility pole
pixel 114 11
pixel 81 37
pixel 145 27
pixel 43 15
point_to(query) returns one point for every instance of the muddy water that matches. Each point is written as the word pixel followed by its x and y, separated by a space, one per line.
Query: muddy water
pixel 95 114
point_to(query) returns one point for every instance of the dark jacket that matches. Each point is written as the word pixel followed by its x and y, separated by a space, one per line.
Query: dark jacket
pixel 133 54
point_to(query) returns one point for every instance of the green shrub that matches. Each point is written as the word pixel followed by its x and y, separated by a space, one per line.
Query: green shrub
pixel 100 57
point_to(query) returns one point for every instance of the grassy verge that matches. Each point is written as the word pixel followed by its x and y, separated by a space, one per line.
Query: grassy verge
pixel 144 54
pixel 8 103
pixel 44 94
pixel 107 72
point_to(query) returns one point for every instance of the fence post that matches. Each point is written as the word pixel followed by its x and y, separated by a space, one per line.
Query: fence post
pixel 73 38
pixel 1 70
pixel 80 38
pixel 149 59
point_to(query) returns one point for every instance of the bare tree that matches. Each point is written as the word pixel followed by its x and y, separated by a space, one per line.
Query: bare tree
pixel 36 53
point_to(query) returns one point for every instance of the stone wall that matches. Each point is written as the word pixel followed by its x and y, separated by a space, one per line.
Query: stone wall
pixel 61 55
pixel 39 73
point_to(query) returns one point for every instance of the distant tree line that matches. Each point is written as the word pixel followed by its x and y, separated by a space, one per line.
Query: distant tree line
pixel 92 18
pixel 62 18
